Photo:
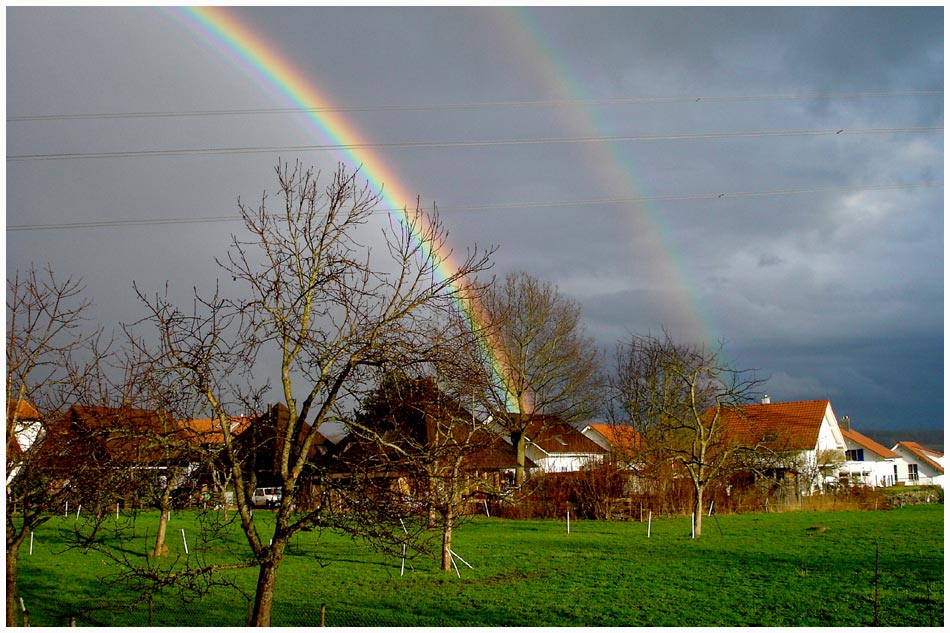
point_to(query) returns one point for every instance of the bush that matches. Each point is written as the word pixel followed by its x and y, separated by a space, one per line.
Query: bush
pixel 587 494
pixel 607 491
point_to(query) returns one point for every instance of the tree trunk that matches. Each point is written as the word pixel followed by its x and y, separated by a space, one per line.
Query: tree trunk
pixel 430 519
pixel 518 441
pixel 266 581
pixel 13 608
pixel 448 518
pixel 165 507
pixel 160 548
pixel 698 511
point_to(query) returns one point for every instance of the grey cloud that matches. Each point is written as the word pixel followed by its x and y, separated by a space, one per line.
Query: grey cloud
pixel 829 291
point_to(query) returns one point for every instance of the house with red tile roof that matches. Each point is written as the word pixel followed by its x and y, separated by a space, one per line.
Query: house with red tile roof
pixel 117 438
pixel 802 439
pixel 26 424
pixel 868 462
pixel 918 465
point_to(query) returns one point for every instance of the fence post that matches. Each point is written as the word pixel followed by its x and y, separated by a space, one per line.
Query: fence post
pixel 323 614
pixel 150 609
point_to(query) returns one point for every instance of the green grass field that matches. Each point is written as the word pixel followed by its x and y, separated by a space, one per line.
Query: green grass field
pixel 746 570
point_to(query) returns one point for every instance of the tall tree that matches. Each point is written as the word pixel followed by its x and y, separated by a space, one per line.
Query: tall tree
pixel 325 311
pixel 548 364
pixel 675 395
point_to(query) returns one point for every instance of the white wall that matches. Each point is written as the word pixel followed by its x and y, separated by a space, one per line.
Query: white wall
pixel 562 462
pixel 927 474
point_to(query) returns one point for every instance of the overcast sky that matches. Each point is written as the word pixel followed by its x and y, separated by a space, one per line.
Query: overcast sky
pixel 670 201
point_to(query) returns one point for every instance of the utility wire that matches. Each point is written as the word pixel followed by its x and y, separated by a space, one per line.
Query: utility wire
pixel 473 105
pixel 475 143
pixel 496 207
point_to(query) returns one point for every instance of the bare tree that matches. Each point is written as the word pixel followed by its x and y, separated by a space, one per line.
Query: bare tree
pixel 432 443
pixel 52 357
pixel 675 395
pixel 547 365
pixel 327 313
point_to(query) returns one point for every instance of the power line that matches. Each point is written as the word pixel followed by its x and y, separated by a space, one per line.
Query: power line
pixel 454 144
pixel 498 206
pixel 475 105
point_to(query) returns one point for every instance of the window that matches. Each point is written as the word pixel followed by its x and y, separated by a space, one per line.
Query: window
pixel 912 472
pixel 856 455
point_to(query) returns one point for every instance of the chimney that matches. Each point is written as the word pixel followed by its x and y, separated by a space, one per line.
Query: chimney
pixel 766 399
pixel 845 423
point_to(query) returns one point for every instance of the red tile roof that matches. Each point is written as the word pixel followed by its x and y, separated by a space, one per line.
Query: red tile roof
pixel 125 434
pixel 621 437
pixel 780 426
pixel 208 430
pixel 868 443
pixel 923 453
pixel 24 411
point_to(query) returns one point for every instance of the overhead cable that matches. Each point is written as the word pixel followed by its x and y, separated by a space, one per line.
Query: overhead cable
pixel 465 144
pixel 474 105
pixel 497 206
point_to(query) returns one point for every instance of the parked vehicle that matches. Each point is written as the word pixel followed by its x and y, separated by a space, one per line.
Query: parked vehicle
pixel 267 497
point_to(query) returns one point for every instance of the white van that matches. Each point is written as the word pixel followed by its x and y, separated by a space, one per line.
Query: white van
pixel 267 497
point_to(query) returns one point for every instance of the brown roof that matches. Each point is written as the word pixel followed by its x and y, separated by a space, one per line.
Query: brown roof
pixel 494 454
pixel 24 411
pixel 868 443
pixel 126 434
pixel 780 426
pixel 552 435
pixel 924 453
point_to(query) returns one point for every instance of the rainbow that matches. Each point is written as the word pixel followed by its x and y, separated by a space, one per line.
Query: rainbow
pixel 547 67
pixel 263 60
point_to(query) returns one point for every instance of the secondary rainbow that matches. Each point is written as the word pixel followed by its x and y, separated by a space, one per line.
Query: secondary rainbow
pixel 262 59
pixel 659 259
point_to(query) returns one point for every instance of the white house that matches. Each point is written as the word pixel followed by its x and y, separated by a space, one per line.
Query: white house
pixel 557 447
pixel 804 437
pixel 27 429
pixel 868 462
pixel 918 465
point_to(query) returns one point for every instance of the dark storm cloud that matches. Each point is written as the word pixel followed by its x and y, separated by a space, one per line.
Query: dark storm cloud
pixel 830 292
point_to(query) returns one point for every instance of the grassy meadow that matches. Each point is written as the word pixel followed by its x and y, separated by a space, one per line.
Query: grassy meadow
pixel 770 569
